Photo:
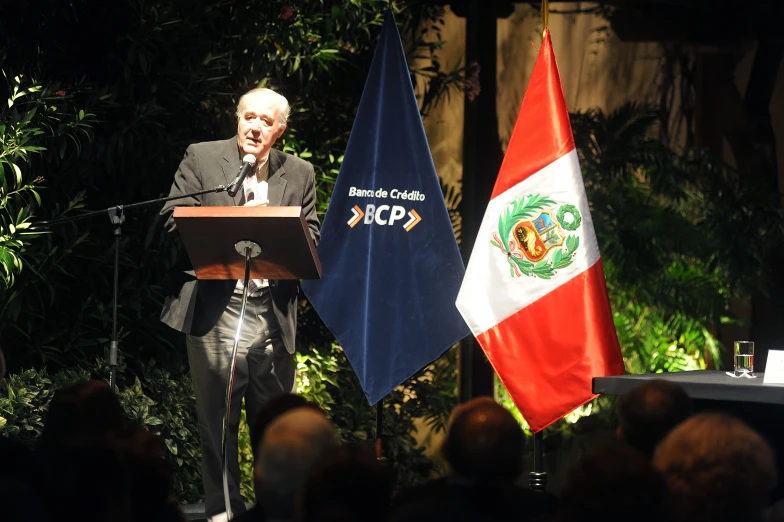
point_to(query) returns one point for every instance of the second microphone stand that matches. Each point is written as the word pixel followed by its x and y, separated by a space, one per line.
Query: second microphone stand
pixel 117 218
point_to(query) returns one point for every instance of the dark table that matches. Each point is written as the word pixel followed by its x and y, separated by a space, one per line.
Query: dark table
pixel 761 406
pixel 700 385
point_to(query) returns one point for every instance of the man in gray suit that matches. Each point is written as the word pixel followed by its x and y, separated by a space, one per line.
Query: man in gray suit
pixel 208 311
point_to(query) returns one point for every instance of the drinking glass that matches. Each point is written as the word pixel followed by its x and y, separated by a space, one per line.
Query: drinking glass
pixel 744 358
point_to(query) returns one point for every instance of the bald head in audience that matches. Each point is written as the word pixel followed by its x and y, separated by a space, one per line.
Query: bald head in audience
pixel 291 447
pixel 484 442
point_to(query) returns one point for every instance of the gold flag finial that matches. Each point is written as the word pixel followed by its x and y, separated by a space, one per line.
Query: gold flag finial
pixel 545 15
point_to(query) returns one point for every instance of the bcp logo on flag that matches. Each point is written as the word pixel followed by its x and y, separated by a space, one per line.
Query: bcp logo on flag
pixel 385 215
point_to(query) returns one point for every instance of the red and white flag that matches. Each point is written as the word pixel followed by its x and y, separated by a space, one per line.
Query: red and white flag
pixel 534 293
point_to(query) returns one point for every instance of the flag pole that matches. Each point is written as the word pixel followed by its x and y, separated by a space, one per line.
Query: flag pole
pixel 537 479
pixel 379 428
pixel 380 403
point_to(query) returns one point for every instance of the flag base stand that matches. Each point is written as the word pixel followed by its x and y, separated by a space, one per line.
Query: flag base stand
pixel 537 479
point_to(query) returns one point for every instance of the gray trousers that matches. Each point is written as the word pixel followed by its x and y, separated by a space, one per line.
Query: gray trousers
pixel 264 370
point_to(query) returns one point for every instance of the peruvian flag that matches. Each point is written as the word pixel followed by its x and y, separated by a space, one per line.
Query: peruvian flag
pixel 534 293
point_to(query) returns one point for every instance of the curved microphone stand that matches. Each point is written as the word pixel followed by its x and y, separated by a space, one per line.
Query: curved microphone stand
pixel 249 250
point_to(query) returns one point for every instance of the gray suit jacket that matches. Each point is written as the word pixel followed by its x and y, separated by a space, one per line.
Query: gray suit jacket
pixel 200 304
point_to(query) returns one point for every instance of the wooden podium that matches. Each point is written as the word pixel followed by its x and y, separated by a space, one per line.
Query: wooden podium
pixel 210 235
pixel 246 243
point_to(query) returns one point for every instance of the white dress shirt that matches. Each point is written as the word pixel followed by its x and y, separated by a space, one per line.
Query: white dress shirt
pixel 256 188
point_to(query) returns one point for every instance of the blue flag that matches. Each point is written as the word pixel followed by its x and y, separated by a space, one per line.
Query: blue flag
pixel 391 265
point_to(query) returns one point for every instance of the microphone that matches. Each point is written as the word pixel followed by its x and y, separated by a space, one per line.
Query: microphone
pixel 247 164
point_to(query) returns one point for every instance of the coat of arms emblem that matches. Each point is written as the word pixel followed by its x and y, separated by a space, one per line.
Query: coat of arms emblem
pixel 533 233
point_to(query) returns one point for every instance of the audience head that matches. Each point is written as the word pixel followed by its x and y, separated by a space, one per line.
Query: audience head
pixel 717 468
pixel 484 442
pixel 290 448
pixel 150 477
pixel 84 410
pixel 613 483
pixel 647 412
pixel 271 410
pixel 86 480
pixel 348 485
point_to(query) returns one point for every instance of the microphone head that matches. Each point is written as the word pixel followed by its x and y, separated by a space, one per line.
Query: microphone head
pixel 249 158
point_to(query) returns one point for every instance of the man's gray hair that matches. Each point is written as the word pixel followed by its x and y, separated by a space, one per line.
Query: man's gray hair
pixel 283 103
pixel 291 447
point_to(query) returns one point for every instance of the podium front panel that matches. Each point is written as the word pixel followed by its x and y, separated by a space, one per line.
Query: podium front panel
pixel 210 233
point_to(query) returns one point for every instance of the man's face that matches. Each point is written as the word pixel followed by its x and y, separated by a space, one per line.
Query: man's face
pixel 259 124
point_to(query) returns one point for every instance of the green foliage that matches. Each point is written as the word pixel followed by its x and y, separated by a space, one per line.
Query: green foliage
pixel 679 238
pixel 24 399
pixel 654 343
pixel 163 403
pixel 316 375
pixel 42 129
pixel 245 449
pixel 421 32
pixel 302 41
pixel 33 119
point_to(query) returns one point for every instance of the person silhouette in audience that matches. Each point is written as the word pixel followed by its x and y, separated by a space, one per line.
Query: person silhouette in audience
pixel 717 469
pixel 97 466
pixel 270 411
pixel 612 482
pixel 290 447
pixel 484 449
pixel 648 412
pixel 86 480
pixel 349 485
pixel 150 476
pixel 85 410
